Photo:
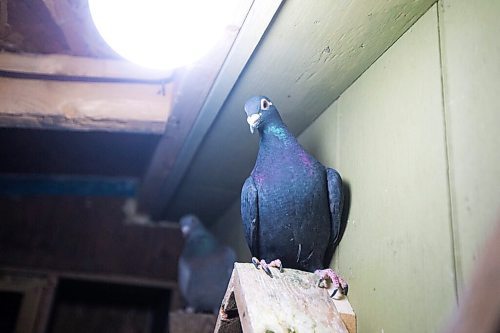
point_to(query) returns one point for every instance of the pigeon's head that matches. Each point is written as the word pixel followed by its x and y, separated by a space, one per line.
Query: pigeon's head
pixel 258 110
pixel 190 223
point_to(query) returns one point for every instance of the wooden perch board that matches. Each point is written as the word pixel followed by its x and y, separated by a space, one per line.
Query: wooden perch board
pixel 288 302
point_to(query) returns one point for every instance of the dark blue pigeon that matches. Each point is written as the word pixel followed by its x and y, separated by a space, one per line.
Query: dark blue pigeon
pixel 205 267
pixel 291 204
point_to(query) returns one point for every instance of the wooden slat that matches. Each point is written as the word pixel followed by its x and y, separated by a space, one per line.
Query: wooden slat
pixel 84 106
pixel 70 66
pixel 159 182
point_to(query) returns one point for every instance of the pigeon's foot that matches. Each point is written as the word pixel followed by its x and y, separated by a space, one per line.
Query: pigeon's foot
pixel 265 266
pixel 339 284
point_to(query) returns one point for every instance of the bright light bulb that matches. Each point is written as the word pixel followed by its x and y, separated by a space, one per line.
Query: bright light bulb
pixel 161 34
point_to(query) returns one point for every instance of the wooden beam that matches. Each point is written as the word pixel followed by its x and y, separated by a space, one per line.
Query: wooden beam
pixel 81 67
pixel 140 108
pixel 212 81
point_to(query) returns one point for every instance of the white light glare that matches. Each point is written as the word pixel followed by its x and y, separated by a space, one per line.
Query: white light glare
pixel 161 34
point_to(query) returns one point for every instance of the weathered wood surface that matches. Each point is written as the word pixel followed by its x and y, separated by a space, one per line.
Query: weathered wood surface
pixel 288 302
pixel 84 106
pixel 184 322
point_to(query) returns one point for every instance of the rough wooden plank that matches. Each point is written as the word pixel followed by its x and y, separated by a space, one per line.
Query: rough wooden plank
pixel 84 106
pixel 183 322
pixel 71 66
pixel 195 85
pixel 346 313
pixel 288 302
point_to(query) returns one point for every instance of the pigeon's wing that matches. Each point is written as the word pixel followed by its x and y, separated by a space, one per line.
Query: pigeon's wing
pixel 250 214
pixel 336 201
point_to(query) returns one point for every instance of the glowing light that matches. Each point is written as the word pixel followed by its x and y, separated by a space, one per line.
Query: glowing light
pixel 161 34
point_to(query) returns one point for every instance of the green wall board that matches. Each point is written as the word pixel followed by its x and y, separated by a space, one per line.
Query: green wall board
pixel 470 43
pixel 397 251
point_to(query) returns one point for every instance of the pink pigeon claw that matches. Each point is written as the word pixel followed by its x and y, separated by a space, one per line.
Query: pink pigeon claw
pixel 329 274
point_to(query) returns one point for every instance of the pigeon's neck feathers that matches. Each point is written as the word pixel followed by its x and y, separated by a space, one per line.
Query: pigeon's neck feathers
pixel 274 129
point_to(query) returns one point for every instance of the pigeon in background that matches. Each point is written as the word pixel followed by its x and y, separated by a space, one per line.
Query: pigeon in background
pixel 205 267
pixel 291 204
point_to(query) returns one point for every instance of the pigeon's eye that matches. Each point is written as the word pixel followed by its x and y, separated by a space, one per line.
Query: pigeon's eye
pixel 264 104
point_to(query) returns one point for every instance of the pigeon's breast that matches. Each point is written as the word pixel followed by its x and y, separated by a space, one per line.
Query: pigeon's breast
pixel 293 208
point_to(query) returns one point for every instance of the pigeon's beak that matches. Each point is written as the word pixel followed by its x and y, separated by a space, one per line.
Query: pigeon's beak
pixel 253 120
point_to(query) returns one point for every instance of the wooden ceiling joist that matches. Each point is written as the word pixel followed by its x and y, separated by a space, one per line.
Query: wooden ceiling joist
pixel 63 92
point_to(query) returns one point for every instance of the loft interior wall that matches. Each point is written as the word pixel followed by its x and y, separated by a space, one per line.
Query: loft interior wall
pixel 390 148
pixel 415 137
pixel 470 46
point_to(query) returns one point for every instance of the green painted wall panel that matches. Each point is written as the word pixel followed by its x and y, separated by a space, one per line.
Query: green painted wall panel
pixel 397 251
pixel 470 42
